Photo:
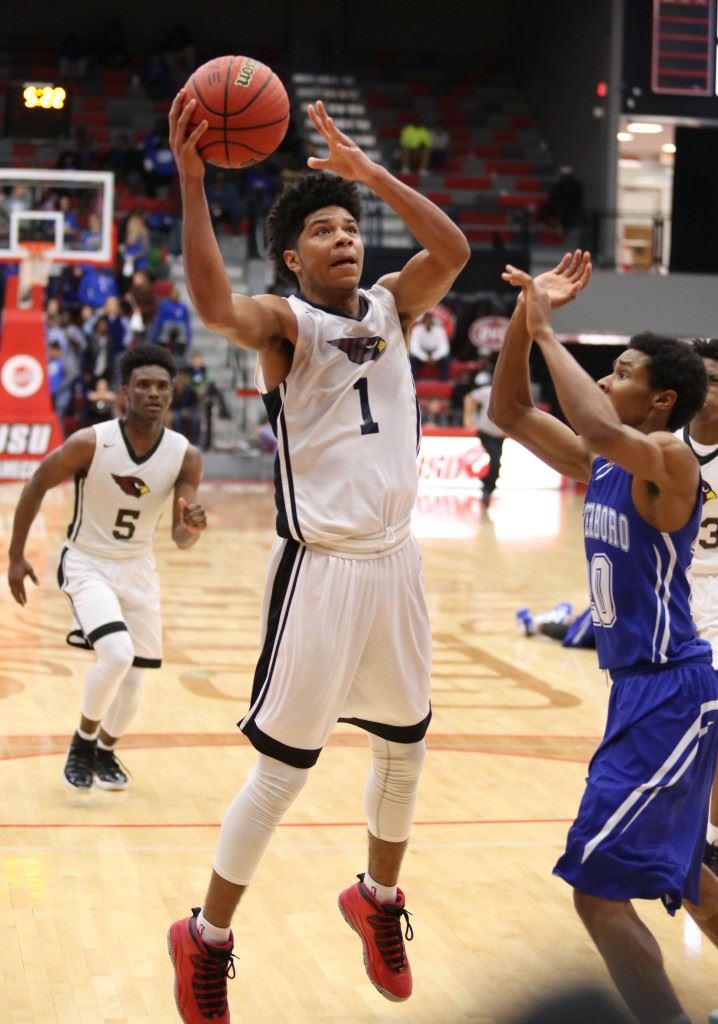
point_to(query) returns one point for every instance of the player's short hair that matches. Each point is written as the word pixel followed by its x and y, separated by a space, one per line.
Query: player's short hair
pixel 299 198
pixel 674 365
pixel 146 355
pixel 707 348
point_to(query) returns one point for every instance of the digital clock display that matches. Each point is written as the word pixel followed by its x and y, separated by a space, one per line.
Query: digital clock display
pixel 37 110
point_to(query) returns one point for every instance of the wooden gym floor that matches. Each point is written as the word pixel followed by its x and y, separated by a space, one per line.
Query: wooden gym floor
pixel 89 886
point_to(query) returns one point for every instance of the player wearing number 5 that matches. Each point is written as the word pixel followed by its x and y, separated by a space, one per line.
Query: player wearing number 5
pixel 345 630
pixel 124 472
pixel 640 828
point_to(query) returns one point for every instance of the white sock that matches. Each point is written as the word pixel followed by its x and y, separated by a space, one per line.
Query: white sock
pixel 88 735
pixel 210 933
pixel 105 746
pixel 381 893
pixel 712 833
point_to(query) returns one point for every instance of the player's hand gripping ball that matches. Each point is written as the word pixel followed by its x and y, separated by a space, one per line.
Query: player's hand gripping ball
pixel 246 107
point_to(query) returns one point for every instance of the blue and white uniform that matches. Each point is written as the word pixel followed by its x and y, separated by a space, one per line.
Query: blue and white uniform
pixel 641 825
pixel 345 631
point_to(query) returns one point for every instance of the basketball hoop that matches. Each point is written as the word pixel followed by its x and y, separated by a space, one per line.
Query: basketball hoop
pixel 35 266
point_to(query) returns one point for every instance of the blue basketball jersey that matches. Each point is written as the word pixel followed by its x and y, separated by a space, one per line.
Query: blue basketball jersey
pixel 637 578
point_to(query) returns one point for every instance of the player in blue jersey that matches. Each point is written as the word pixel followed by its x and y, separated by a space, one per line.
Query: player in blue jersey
pixel 640 828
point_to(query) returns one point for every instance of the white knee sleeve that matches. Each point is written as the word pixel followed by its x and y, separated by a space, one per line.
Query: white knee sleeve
pixel 114 654
pixel 124 707
pixel 391 788
pixel 253 815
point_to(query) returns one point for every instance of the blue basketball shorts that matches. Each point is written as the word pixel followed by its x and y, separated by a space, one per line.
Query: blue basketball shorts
pixel 641 825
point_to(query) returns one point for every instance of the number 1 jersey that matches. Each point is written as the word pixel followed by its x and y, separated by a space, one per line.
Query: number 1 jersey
pixel 347 426
pixel 120 498
pixel 637 577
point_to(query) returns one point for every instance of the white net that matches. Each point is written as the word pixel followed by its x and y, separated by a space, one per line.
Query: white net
pixel 34 270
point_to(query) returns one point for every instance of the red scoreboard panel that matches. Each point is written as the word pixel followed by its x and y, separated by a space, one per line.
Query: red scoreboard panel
pixel 683 47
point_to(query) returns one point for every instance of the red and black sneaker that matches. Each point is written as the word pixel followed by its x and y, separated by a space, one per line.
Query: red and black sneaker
pixel 201 972
pixel 379 926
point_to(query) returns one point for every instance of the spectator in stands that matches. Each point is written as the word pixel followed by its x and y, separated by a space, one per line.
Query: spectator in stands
pixel 135 248
pixel 429 345
pixel 143 301
pixel 415 143
pixel 265 437
pixel 100 403
pixel 564 204
pixel 204 385
pixel 476 417
pixel 68 287
pixel 118 323
pixel 440 143
pixel 96 286
pixel 259 184
pixel 158 163
pixel 172 325
pixel 185 407
pixel 61 380
pixel 225 203
pixel 91 237
pixel 99 358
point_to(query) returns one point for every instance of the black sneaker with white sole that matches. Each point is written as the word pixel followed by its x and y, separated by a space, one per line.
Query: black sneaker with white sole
pixel 79 768
pixel 110 773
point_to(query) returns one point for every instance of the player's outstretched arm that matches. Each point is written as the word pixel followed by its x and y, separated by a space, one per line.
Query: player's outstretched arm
pixel 244 320
pixel 428 276
pixel 658 458
pixel 72 457
pixel 189 518
pixel 512 407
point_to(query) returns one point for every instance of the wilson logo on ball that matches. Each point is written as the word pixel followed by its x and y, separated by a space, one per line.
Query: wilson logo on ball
pixel 246 74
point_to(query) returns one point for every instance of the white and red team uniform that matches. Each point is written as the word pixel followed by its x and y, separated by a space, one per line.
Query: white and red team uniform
pixel 704 566
pixel 107 565
pixel 345 632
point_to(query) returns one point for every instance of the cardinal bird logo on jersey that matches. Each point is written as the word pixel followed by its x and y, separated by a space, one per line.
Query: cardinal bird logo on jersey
pixel 708 493
pixel 360 350
pixel 131 485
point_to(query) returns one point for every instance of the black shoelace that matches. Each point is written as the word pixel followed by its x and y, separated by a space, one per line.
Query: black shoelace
pixel 81 756
pixel 209 982
pixel 389 938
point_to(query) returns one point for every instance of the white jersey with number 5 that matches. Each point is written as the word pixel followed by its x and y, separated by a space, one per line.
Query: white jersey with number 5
pixel 348 429
pixel 120 498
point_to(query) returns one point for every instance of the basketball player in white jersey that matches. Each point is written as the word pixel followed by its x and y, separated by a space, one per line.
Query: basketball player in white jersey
pixel 124 470
pixel 701 435
pixel 345 629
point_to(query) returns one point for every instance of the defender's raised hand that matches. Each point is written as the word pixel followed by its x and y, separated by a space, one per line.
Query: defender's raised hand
pixel 344 158
pixel 184 147
pixel 563 283
pixel 538 303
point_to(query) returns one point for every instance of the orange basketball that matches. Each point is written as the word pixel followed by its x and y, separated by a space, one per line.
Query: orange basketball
pixel 246 107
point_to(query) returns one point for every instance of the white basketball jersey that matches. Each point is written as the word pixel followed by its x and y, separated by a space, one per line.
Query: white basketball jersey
pixel 705 551
pixel 119 500
pixel 348 429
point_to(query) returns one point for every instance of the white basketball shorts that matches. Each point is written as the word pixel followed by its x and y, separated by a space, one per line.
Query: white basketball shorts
pixel 111 595
pixel 704 608
pixel 344 639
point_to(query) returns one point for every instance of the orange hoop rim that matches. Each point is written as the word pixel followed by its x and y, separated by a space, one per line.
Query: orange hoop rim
pixel 37 250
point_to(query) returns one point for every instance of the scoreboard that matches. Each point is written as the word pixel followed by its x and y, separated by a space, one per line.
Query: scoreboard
pixel 36 110
pixel 683 47
pixel 669 58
